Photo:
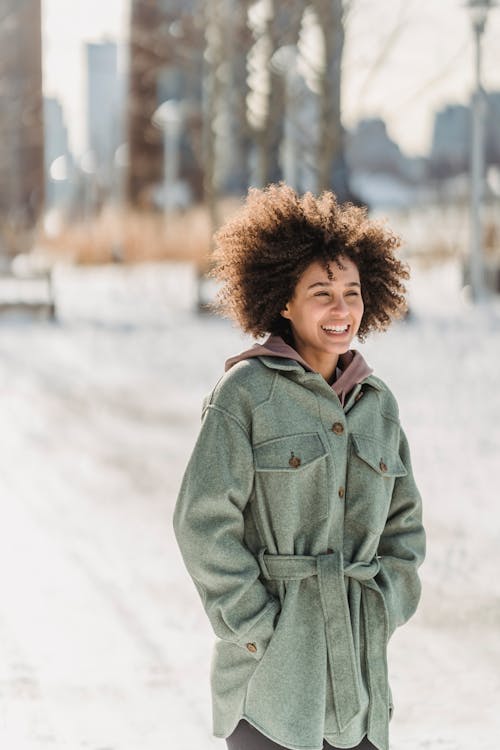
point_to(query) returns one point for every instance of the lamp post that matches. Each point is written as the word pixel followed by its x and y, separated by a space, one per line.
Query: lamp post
pixel 478 12
pixel 169 117
pixel 284 62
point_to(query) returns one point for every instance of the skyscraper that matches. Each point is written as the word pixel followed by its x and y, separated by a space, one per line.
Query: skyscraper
pixel 105 107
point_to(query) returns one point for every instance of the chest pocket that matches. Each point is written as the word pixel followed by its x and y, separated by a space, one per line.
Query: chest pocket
pixel 372 471
pixel 291 479
pixel 378 456
pixel 290 453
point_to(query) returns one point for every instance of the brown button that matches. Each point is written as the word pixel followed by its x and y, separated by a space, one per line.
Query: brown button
pixel 252 647
pixel 338 428
pixel 358 395
pixel 294 461
pixel 341 492
pixel 383 467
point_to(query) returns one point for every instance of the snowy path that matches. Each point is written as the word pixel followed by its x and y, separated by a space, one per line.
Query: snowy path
pixel 103 641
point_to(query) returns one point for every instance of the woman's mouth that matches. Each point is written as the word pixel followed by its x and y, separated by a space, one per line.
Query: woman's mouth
pixel 338 330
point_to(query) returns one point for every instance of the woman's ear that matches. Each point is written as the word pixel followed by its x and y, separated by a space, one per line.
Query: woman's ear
pixel 285 313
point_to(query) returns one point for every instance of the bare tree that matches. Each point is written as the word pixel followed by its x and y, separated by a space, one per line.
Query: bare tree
pixel 147 54
pixel 21 122
pixel 279 28
pixel 212 91
pixel 330 149
pixel 234 136
pixel 166 52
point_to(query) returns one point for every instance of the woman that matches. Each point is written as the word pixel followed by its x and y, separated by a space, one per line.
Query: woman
pixel 298 517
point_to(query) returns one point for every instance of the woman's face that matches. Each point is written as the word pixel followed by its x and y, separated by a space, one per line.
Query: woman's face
pixel 325 314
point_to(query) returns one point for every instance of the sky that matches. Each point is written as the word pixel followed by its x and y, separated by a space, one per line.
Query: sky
pixel 403 60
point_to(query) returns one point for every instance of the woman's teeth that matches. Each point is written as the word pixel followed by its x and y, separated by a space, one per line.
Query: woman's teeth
pixel 335 329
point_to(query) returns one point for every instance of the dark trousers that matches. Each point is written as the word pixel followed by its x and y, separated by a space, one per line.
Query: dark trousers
pixel 246 737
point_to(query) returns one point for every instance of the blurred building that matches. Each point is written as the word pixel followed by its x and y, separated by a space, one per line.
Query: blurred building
pixel 450 141
pixel 59 163
pixel 55 130
pixel 370 149
pixel 105 108
pixel 21 121
pixel 493 129
pixel 380 174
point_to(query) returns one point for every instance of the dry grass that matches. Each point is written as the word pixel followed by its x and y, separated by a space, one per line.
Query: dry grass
pixel 437 253
pixel 441 250
pixel 133 236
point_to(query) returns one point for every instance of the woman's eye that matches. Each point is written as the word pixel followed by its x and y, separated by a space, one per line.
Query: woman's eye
pixel 321 294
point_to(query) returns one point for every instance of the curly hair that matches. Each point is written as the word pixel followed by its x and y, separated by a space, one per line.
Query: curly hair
pixel 261 253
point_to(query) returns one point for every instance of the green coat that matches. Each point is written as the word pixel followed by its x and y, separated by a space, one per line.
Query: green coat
pixel 300 523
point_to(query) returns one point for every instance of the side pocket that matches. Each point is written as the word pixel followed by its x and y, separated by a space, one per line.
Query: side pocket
pixel 294 667
pixel 256 641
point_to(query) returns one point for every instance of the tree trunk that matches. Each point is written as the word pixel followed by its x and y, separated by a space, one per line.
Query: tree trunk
pixel 21 123
pixel 145 141
pixel 235 141
pixel 331 170
pixel 282 29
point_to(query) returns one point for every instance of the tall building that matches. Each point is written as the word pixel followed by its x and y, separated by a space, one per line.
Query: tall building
pixel 58 159
pixel 450 141
pixel 105 107
pixel 493 128
pixel 370 149
pixel 21 120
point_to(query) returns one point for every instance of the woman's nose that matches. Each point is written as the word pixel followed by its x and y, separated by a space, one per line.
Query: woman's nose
pixel 339 305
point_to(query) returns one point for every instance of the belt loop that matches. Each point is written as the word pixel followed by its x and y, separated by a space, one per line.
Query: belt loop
pixel 263 566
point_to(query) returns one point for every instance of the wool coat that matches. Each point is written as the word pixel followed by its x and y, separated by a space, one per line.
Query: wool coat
pixel 300 524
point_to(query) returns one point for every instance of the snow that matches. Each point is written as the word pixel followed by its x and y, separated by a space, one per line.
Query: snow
pixel 103 640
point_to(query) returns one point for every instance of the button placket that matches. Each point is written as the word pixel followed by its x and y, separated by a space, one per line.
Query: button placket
pixel 337 428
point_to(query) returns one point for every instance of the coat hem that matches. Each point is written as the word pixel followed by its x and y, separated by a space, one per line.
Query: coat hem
pixel 334 740
pixel 329 738
pixel 269 736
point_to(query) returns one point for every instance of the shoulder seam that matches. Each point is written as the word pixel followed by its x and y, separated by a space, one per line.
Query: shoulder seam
pixel 221 410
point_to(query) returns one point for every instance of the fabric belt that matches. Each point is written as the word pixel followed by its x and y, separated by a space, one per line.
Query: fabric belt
pixel 330 570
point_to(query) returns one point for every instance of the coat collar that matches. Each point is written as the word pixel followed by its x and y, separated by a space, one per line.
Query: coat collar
pixel 280 363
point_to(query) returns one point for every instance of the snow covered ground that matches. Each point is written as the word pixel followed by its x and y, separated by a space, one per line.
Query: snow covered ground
pixel 103 641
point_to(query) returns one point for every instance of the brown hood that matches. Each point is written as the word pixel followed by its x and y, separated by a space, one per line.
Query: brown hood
pixel 352 368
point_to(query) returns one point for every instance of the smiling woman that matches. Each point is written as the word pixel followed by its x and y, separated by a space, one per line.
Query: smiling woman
pixel 263 255
pixel 325 313
pixel 298 517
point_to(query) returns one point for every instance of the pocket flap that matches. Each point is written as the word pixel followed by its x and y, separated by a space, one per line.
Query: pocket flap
pixel 382 459
pixel 289 453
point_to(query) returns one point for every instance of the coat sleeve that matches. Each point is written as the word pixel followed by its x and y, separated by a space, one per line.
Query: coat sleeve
pixel 208 524
pixel 402 546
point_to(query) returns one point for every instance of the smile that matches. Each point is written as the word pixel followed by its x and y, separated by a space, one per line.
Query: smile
pixel 336 330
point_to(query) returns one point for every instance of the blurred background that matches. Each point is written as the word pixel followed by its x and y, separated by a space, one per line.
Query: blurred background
pixel 129 131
